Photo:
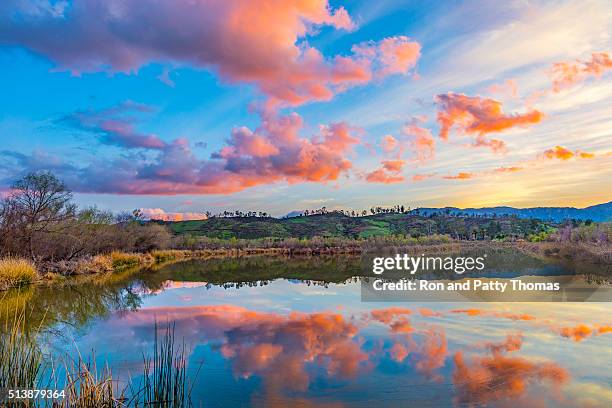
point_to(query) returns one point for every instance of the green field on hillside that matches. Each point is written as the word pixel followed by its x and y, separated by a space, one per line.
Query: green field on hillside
pixel 339 225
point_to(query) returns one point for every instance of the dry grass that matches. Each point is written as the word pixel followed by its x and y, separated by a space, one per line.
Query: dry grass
pixel 96 264
pixel 16 272
pixel 123 260
pixel 170 255
pixel 86 387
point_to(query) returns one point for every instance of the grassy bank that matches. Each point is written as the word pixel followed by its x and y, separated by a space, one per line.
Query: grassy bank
pixel 16 272
pixel 576 252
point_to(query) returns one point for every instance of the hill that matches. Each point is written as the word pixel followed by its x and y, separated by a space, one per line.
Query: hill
pixel 597 213
pixel 335 224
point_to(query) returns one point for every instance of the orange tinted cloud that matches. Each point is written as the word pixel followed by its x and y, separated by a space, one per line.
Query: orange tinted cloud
pixel 562 153
pixel 604 329
pixel 469 312
pixel 425 312
pixel 577 333
pixel 389 143
pixel 273 152
pixel 432 353
pixel 479 116
pixel 459 176
pixel 393 165
pixel 481 381
pixel 389 314
pixel 566 74
pixel 421 177
pixel 401 325
pixel 388 173
pixel 503 315
pixel 558 152
pixel 496 145
pixel 421 140
pixel 399 351
pixel 276 347
pixel 513 342
pixel 511 169
pixel 161 215
pixel 515 316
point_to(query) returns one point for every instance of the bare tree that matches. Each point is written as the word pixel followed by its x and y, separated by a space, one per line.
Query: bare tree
pixel 39 203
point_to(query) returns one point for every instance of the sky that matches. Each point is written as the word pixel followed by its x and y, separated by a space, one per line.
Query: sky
pixel 186 106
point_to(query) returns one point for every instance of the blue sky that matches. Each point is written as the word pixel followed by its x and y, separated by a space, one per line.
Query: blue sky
pixel 188 107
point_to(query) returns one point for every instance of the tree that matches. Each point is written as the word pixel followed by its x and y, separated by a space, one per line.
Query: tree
pixel 39 203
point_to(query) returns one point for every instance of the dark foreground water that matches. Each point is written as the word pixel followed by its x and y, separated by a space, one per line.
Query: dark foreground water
pixel 259 334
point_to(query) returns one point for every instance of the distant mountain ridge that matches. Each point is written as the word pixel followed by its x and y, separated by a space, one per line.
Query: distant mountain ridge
pixel 598 213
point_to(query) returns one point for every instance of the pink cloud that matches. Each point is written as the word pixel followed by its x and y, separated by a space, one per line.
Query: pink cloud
pixel 389 143
pixel 421 140
pixel 566 74
pixel 421 177
pixel 393 55
pixel 508 87
pixel 274 152
pixel 161 215
pixel 262 43
pixel 389 173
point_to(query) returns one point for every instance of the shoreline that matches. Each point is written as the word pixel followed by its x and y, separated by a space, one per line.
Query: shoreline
pixel 48 272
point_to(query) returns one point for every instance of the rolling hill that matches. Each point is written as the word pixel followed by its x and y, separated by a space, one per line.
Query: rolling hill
pixel 597 213
pixel 335 224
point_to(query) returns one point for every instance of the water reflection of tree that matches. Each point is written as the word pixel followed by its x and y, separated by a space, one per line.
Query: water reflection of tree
pixel 80 301
pixel 76 304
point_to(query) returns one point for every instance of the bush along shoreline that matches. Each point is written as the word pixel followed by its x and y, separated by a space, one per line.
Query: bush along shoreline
pixel 16 272
pixel 44 235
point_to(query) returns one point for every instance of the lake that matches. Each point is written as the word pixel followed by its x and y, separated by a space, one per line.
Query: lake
pixel 265 331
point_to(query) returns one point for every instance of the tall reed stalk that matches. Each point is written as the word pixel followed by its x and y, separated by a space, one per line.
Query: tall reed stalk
pixel 165 376
pixel 20 357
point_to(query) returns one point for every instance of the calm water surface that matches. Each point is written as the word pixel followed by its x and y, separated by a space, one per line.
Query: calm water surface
pixel 261 335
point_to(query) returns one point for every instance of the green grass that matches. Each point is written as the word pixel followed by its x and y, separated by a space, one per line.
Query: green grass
pixel 16 272
pixel 165 374
pixel 122 260
pixel 20 357
pixel 339 225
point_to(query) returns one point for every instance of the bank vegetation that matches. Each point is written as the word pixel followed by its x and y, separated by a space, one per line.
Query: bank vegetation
pixel 44 235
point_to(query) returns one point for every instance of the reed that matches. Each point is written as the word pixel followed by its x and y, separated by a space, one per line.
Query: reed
pixel 164 381
pixel 20 358
pixel 87 387
pixel 165 375
pixel 16 272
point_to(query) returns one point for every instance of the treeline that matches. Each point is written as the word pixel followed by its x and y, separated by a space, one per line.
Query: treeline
pixel 588 232
pixel 39 221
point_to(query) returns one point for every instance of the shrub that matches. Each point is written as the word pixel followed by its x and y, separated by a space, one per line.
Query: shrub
pixel 16 272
